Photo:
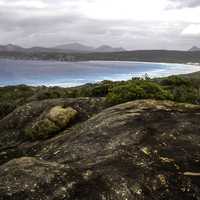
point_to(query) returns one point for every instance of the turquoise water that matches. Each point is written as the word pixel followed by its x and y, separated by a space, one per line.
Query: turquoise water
pixel 53 73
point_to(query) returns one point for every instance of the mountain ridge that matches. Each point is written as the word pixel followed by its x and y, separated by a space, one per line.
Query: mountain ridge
pixel 65 48
pixel 74 47
pixel 84 48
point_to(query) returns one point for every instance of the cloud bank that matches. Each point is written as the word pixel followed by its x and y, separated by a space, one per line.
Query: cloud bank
pixel 133 24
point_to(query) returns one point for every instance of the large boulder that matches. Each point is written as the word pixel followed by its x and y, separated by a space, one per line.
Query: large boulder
pixel 140 150
pixel 16 126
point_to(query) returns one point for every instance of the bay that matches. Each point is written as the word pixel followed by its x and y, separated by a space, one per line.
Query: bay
pixel 67 74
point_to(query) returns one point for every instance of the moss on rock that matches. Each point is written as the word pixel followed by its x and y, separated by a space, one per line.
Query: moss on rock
pixel 41 129
pixel 61 116
pixel 54 121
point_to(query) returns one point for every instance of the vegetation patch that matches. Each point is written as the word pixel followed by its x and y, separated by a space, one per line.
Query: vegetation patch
pixel 139 89
pixel 185 89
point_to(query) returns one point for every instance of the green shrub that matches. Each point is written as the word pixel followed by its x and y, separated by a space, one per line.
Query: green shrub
pixel 100 90
pixel 176 81
pixel 54 93
pixel 140 89
pixel 12 93
pixel 186 94
pixel 94 90
pixel 124 93
pixel 183 89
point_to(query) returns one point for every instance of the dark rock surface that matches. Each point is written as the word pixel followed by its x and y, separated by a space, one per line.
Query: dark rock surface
pixel 14 125
pixel 140 150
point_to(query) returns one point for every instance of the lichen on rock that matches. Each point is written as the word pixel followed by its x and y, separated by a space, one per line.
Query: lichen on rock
pixel 53 121
pixel 41 129
pixel 61 116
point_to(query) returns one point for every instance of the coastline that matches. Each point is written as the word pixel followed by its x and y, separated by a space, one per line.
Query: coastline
pixel 173 69
pixel 99 60
pixel 159 56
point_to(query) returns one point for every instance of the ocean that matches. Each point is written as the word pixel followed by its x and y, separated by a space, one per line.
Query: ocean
pixel 67 74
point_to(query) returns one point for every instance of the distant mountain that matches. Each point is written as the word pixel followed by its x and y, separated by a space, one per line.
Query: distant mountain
pixel 74 47
pixel 10 48
pixel 194 48
pixel 77 47
pixel 15 48
pixel 42 49
pixel 66 48
pixel 106 48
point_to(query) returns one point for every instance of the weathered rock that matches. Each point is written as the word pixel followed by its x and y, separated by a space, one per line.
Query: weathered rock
pixel 14 125
pixel 30 178
pixel 141 150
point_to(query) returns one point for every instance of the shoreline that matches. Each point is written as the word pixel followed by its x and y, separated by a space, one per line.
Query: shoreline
pixel 64 86
pixel 124 77
pixel 90 61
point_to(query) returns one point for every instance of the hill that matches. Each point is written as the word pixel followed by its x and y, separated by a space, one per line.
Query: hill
pixel 165 56
pixel 11 48
pixel 75 47
pixel 106 48
pixel 194 48
pixel 66 48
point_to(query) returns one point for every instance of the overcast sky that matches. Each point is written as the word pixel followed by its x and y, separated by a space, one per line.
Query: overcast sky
pixel 132 24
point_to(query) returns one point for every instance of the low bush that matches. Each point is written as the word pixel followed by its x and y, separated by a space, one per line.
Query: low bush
pixel 139 89
pixel 94 90
pixel 6 108
pixel 176 81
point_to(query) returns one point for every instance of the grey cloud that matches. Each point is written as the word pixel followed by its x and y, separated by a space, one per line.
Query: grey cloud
pixel 186 3
pixel 53 25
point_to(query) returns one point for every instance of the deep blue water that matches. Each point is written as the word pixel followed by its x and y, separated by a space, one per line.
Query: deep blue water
pixel 14 72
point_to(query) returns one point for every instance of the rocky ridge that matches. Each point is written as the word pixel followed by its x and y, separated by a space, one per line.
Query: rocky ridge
pixel 140 150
